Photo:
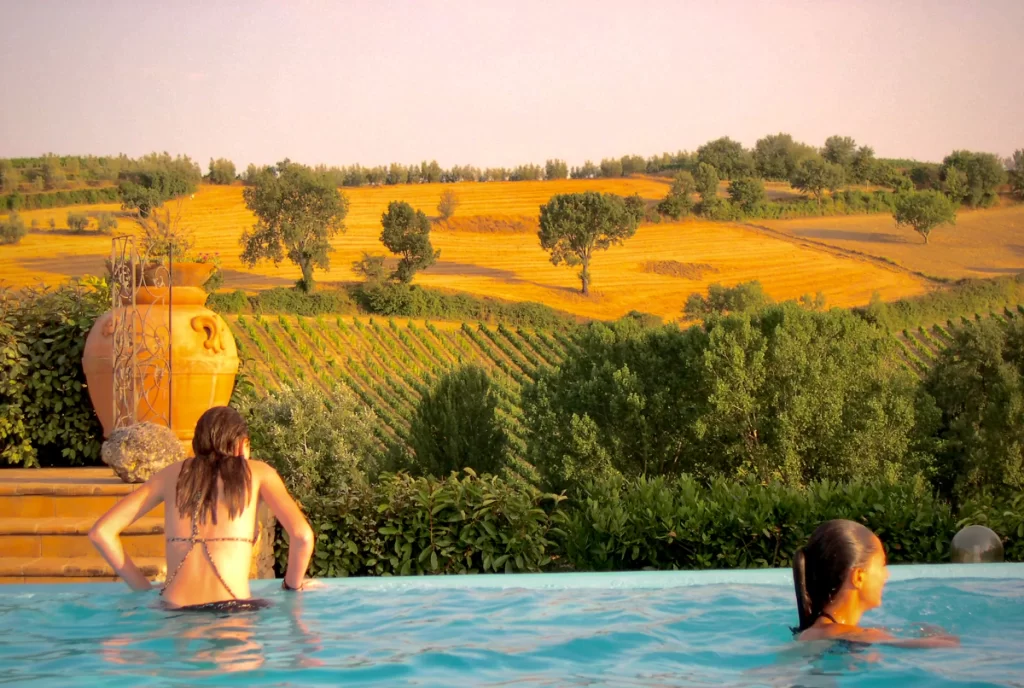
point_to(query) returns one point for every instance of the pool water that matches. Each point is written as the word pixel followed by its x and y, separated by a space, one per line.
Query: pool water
pixel 644 629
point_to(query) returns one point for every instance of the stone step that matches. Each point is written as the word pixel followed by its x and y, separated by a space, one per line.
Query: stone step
pixel 67 537
pixel 61 493
pixel 70 570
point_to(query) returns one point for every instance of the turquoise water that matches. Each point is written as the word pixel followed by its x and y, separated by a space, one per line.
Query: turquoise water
pixel 659 629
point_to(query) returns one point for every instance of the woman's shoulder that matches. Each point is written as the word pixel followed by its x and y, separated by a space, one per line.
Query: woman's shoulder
pixel 853 634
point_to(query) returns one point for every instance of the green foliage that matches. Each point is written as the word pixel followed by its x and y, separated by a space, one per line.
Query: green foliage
pixel 556 169
pixel 815 176
pixel 231 302
pixel 155 180
pixel 58 199
pixel 745 297
pixel 675 205
pixel 680 523
pixel 784 394
pixel 319 445
pixel 610 167
pixel 719 209
pixel 984 175
pixel 1016 174
pixel 406 232
pixel 412 526
pixel 106 223
pixel 456 426
pixel 573 226
pixel 448 204
pixel 776 156
pixel 222 171
pixel 371 267
pixel 706 178
pixel 1004 515
pixel 978 385
pixel 747 193
pixel 45 413
pixel 729 158
pixel 78 222
pixel 923 211
pixel 12 229
pixel 839 150
pixel 298 212
pixel 967 297
pixel 955 185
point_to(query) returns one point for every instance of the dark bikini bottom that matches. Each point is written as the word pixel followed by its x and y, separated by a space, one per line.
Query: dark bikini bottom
pixel 224 606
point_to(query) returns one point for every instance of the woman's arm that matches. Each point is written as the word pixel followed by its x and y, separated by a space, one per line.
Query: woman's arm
pixel 291 518
pixel 877 636
pixel 106 532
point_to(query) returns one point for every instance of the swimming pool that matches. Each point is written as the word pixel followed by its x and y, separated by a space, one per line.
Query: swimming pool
pixel 638 629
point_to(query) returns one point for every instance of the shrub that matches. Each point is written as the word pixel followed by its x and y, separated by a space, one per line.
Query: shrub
pixel 321 446
pixel 409 526
pixel 448 204
pixel 966 298
pixel 47 418
pixel 298 302
pixel 78 222
pixel 746 297
pixel 231 302
pixel 106 223
pixel 456 426
pixel 680 523
pixel 12 230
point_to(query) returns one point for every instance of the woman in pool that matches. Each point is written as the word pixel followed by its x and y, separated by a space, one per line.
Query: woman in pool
pixel 840 575
pixel 209 521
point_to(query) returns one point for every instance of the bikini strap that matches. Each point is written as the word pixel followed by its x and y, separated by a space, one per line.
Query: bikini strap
pixel 830 618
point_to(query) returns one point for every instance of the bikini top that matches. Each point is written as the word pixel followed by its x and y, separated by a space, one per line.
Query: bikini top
pixel 193 540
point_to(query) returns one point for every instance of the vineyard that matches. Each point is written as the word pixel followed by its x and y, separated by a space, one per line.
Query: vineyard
pixel 920 347
pixel 390 364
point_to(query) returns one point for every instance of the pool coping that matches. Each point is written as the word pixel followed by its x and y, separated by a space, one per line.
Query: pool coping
pixel 599 580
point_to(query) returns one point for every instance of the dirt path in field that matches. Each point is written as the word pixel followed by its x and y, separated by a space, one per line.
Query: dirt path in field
pixel 877 261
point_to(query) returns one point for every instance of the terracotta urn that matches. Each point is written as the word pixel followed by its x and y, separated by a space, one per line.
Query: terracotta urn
pixel 185 361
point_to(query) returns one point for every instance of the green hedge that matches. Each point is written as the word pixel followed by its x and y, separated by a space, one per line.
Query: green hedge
pixel 59 199
pixel 392 300
pixel 45 413
pixel 470 524
pixel 965 299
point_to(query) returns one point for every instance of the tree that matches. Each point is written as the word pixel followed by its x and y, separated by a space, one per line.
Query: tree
pixel 984 175
pixel 156 179
pixel 815 176
pixel 456 426
pixel 1017 173
pixel 448 203
pixel 77 222
pixel 573 226
pixel 371 267
pixel 632 164
pixel 923 211
pixel 839 150
pixel 556 169
pixel 588 171
pixel 861 164
pixel 106 223
pixel 406 232
pixel 679 202
pixel 729 158
pixel 747 193
pixel 776 156
pixel 222 171
pixel 10 178
pixel 53 173
pixel 746 297
pixel 706 179
pixel 297 214
pixel 610 167
pixel 955 184
pixel 12 230
pixel 683 184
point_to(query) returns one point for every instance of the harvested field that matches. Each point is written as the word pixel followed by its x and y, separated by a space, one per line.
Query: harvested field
pixel 505 264
pixel 983 243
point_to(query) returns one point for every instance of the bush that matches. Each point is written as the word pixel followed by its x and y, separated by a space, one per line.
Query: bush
pixel 47 418
pixel 321 446
pixel 58 199
pixel 298 302
pixel 448 204
pixel 746 297
pixel 456 426
pixel 232 302
pixel 78 222
pixel 12 230
pixel 410 526
pixel 967 297
pixel 106 223
pixel 679 523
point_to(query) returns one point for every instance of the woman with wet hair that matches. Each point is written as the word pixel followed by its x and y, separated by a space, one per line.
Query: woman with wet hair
pixel 839 575
pixel 210 521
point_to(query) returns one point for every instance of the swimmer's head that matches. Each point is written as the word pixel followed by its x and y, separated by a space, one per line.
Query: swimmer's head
pixel 221 432
pixel 841 558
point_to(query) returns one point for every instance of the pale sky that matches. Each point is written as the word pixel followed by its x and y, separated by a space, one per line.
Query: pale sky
pixel 502 83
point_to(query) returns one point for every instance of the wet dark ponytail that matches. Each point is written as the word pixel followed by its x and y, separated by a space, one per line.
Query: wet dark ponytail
pixel 217 434
pixel 821 567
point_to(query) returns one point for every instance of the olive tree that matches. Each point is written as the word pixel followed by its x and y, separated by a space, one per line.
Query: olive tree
pixel 406 232
pixel 297 214
pixel 923 211
pixel 573 226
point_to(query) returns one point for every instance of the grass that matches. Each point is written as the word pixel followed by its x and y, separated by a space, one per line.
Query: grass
pixel 490 248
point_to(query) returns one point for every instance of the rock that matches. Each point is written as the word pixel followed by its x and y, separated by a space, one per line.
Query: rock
pixel 138 452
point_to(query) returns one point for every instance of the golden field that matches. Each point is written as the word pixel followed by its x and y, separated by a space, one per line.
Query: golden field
pixel 983 243
pixel 505 264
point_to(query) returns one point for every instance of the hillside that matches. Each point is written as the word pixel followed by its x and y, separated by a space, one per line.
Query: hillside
pixel 505 264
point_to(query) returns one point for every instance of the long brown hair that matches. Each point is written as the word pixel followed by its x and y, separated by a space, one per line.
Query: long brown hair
pixel 820 568
pixel 217 434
